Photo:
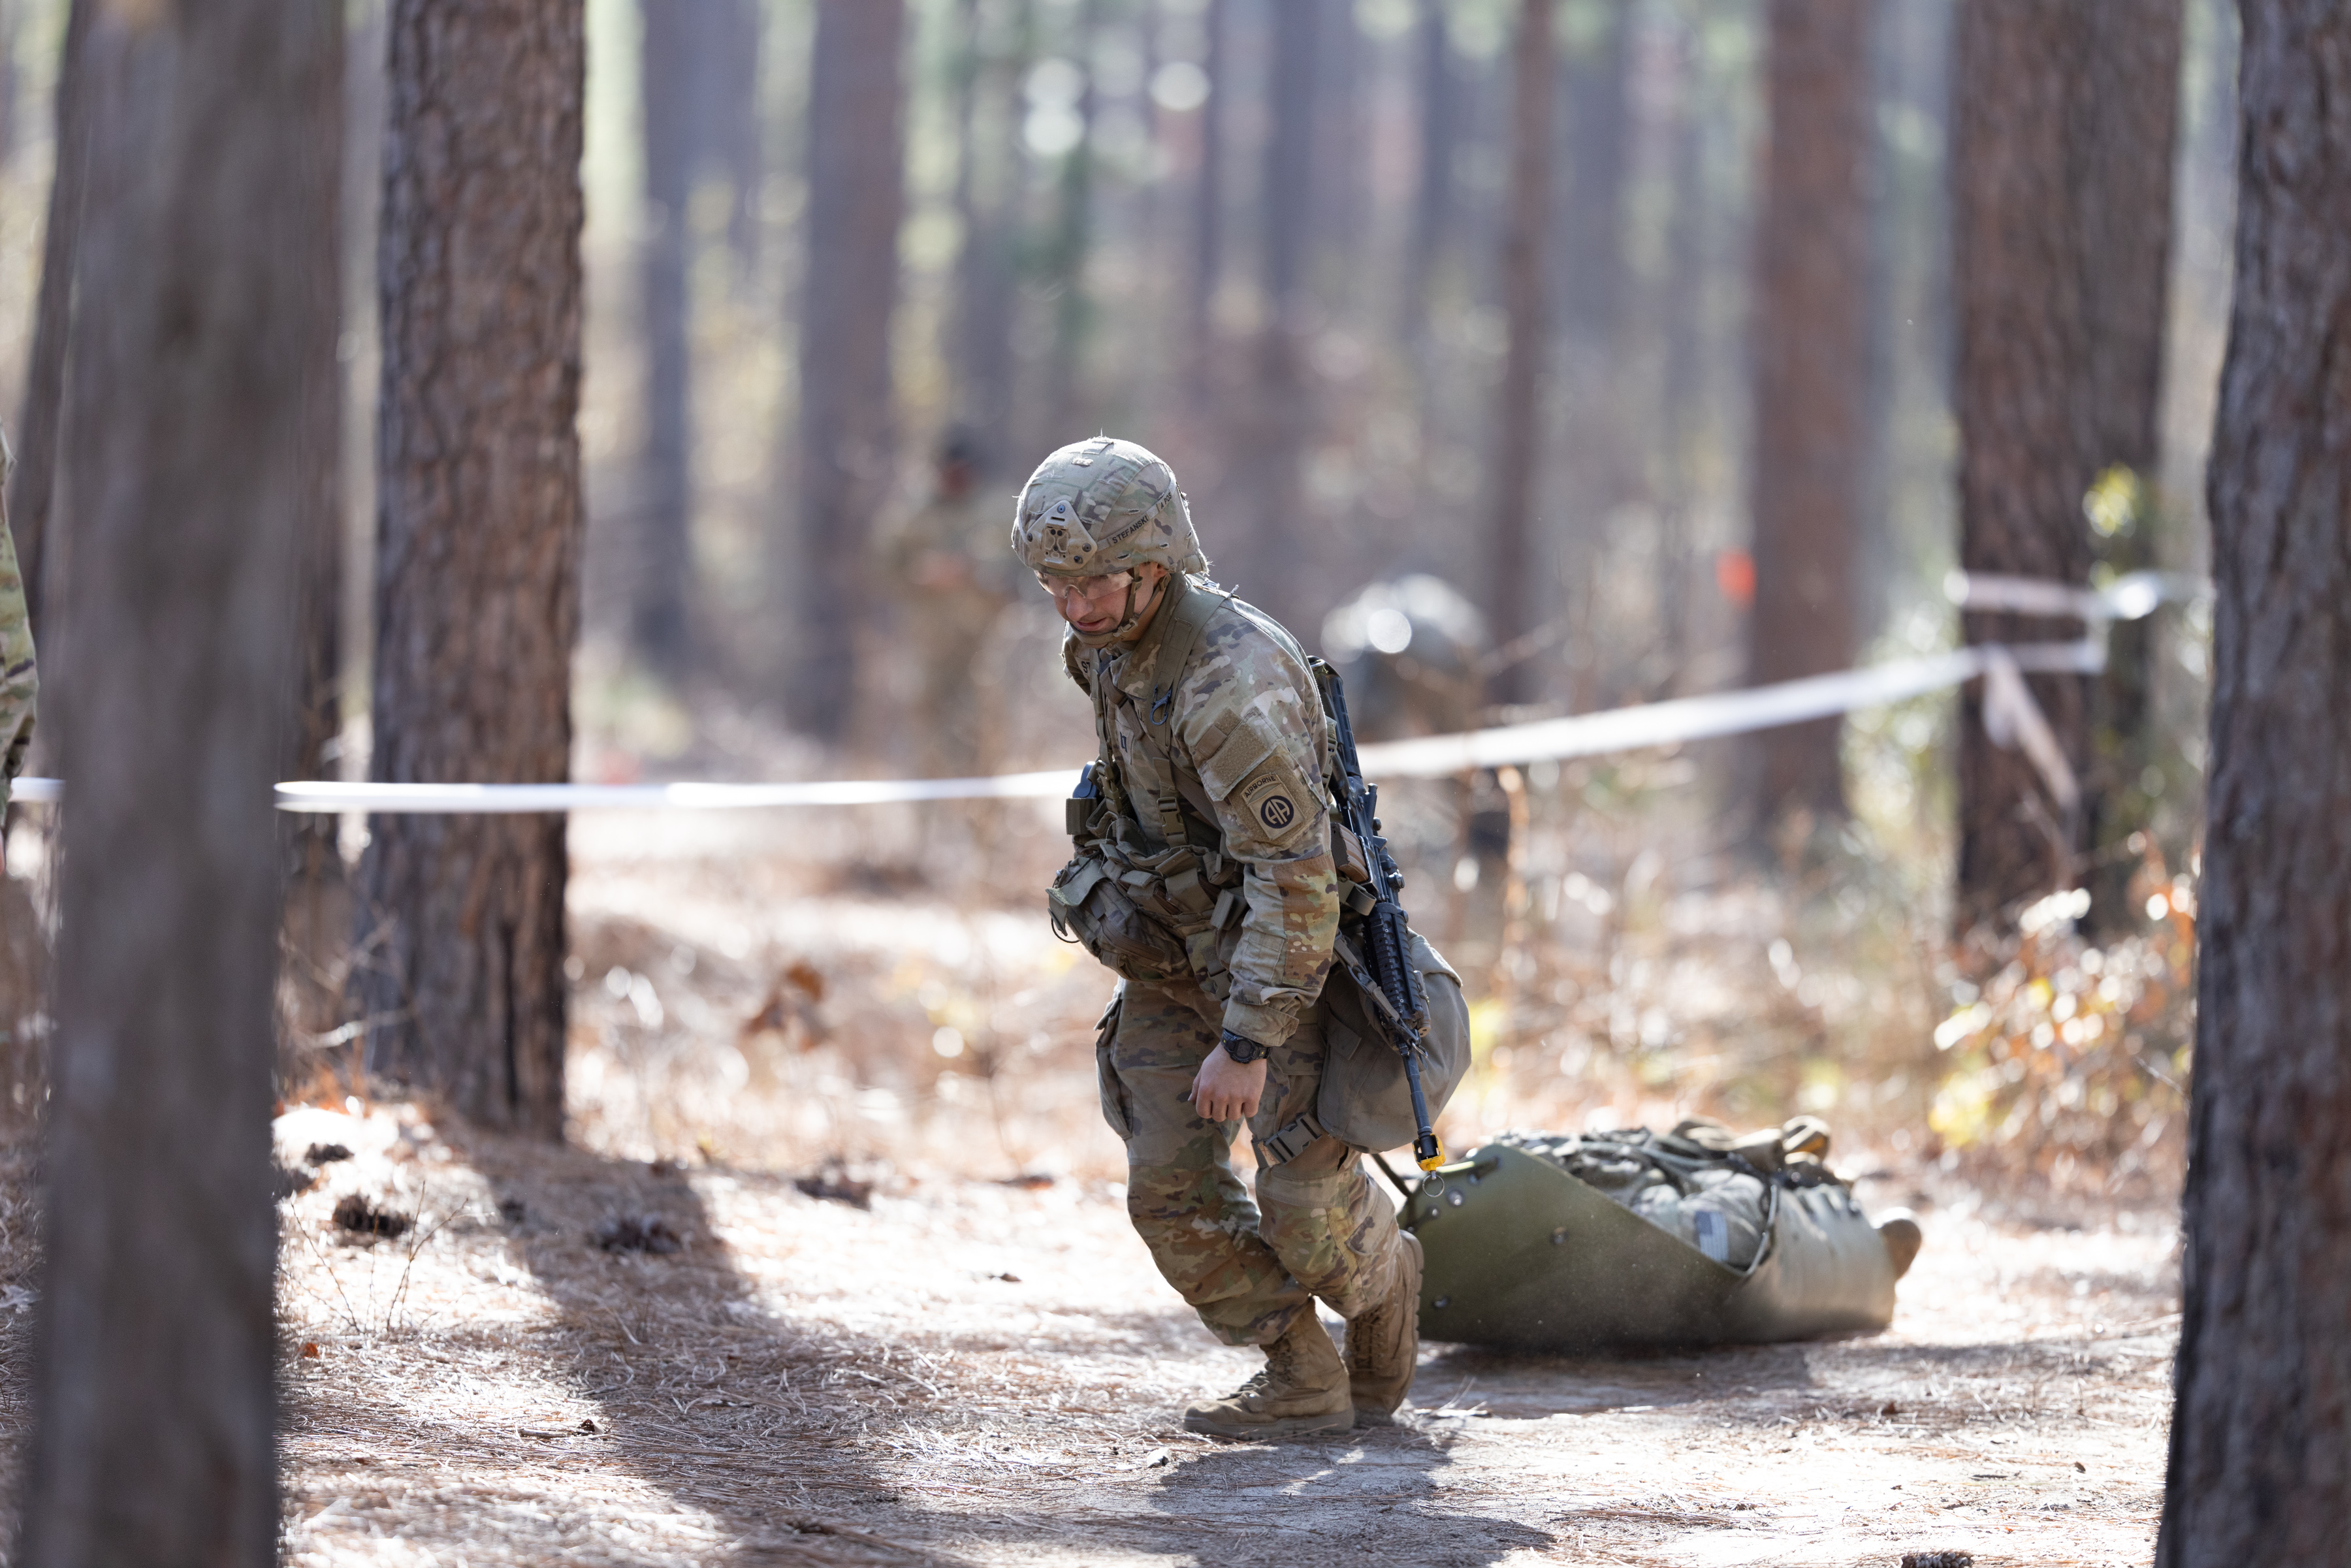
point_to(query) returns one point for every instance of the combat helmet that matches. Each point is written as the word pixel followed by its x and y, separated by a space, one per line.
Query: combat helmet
pixel 1103 505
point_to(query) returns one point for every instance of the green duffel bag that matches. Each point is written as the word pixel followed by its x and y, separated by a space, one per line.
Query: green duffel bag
pixel 1565 1243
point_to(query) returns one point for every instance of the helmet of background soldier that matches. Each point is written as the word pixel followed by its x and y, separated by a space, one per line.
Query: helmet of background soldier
pixel 1103 505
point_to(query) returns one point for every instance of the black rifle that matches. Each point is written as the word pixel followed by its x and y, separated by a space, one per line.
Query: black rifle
pixel 1391 985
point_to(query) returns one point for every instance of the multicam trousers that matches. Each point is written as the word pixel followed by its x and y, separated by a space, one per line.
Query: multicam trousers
pixel 1317 1228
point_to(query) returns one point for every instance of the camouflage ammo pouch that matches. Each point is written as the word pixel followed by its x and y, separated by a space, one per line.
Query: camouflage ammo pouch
pixel 1093 902
pixel 1557 1243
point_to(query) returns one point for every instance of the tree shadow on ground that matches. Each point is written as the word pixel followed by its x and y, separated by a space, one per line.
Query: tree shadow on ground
pixel 807 1442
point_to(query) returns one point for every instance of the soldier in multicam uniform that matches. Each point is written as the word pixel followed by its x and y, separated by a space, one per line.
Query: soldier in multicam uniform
pixel 952 586
pixel 1214 820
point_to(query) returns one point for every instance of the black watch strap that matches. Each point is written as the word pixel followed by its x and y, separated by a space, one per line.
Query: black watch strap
pixel 1242 1049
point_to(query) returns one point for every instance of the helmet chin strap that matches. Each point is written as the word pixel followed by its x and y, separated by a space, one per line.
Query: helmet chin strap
pixel 1125 627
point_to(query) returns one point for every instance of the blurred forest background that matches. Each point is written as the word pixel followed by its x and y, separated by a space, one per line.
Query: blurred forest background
pixel 1471 289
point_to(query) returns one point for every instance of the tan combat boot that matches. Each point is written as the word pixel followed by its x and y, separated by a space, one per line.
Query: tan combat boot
pixel 1383 1344
pixel 1302 1389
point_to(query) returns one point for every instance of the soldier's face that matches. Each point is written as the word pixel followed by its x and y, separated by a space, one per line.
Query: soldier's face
pixel 1095 605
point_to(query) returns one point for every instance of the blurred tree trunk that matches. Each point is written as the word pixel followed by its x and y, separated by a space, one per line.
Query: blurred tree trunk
pixel 987 198
pixel 11 80
pixel 1071 249
pixel 1588 266
pixel 2263 1391
pixel 155 1331
pixel 1342 112
pixel 2035 242
pixel 32 492
pixel 855 198
pixel 673 87
pixel 477 573
pixel 1277 417
pixel 730 61
pixel 1432 197
pixel 2128 143
pixel 1209 197
pixel 1682 379
pixel 1811 369
pixel 318 910
pixel 1518 415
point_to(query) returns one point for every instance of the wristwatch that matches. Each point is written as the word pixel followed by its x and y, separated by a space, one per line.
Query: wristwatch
pixel 1242 1049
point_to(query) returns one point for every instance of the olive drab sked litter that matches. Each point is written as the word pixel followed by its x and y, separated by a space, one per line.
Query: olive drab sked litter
pixel 1522 1255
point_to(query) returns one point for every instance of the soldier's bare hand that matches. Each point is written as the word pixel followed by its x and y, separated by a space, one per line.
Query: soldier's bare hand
pixel 1226 1090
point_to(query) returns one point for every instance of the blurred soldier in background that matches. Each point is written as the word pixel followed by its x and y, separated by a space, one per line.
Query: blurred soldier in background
pixel 1204 877
pixel 952 583
pixel 1415 656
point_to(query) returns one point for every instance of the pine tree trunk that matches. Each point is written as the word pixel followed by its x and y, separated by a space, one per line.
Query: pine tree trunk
pixel 1518 414
pixel 1208 196
pixel 2026 432
pixel 32 489
pixel 2128 143
pixel 1433 196
pixel 1810 367
pixel 1594 144
pixel 155 1335
pixel 1275 419
pixel 670 87
pixel 987 210
pixel 855 198
pixel 2262 1393
pixel 477 573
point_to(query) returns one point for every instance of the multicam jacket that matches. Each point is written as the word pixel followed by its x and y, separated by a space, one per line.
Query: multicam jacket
pixel 1239 853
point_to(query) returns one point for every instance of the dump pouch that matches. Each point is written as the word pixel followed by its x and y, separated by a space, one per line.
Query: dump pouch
pixel 1364 1098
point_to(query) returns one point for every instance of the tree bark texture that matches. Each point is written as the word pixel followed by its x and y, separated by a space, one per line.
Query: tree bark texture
pixel 672 90
pixel 1518 421
pixel 32 489
pixel 2042 355
pixel 2260 1471
pixel 155 1328
pixel 855 199
pixel 1810 342
pixel 478 555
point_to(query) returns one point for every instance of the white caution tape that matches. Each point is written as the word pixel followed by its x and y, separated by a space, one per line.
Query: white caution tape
pixel 2129 598
pixel 2010 716
pixel 510 798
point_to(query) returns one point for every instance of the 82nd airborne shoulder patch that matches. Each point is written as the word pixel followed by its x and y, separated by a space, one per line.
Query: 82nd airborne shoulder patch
pixel 1274 802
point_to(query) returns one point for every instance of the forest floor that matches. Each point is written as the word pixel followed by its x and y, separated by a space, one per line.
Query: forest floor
pixel 836 1269
pixel 972 1372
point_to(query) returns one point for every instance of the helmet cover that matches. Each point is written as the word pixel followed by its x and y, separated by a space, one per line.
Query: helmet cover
pixel 1101 507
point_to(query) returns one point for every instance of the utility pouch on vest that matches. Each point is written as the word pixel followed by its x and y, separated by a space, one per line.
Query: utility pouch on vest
pixel 1089 905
